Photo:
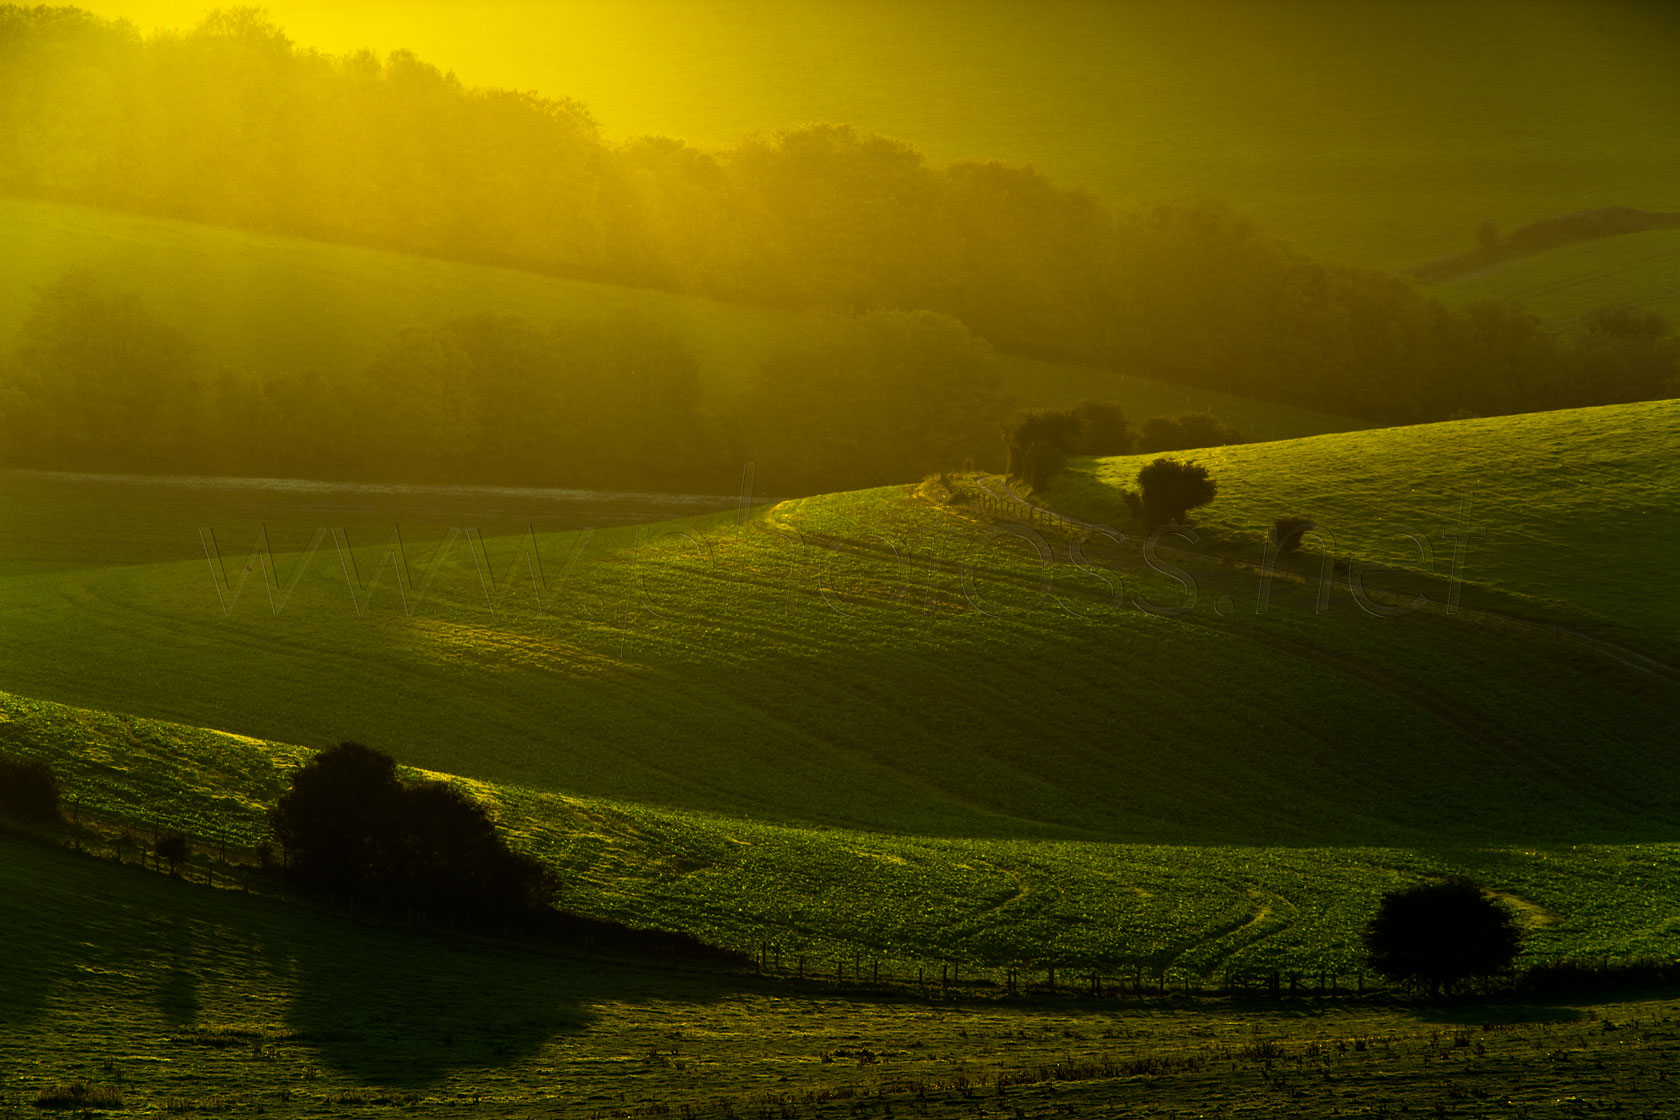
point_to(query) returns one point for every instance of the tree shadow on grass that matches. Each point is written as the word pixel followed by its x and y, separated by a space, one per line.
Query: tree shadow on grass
pixel 405 1009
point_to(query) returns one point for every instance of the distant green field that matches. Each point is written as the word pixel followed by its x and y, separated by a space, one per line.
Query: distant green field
pixel 1564 285
pixel 1576 513
pixel 280 305
pixel 175 999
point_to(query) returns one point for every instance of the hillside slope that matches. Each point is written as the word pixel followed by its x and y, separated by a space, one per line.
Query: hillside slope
pixel 901 901
pixel 879 660
pixel 1575 513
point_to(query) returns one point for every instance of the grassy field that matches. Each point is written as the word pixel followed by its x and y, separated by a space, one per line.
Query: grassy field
pixel 160 997
pixel 1564 285
pixel 1575 513
pixel 825 899
pixel 873 724
pixel 275 305
pixel 829 660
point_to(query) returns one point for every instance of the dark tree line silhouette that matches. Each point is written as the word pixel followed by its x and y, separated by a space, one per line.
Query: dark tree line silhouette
pixel 231 123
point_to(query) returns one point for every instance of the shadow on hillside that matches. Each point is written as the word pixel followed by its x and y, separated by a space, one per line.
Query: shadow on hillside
pixel 403 1010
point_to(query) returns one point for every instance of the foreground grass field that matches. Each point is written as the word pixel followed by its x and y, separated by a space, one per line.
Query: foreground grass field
pixel 158 997
pixel 278 305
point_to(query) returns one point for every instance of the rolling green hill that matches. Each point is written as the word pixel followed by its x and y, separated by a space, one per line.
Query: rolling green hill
pixel 272 305
pixel 1564 285
pixel 872 721
pixel 1575 513
pixel 896 902
pixel 879 660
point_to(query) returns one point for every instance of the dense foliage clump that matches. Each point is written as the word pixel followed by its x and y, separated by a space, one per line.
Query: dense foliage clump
pixel 28 790
pixel 352 828
pixel 1186 431
pixel 1440 933
pixel 1168 490
pixel 1039 440
pixel 872 400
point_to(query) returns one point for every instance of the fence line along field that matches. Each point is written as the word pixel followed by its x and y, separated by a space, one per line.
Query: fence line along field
pixel 832 903
pixel 129 990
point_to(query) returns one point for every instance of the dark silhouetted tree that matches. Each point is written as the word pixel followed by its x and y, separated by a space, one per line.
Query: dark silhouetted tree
pixel 1102 428
pixel 174 847
pixel 1039 463
pixel 1168 490
pixel 338 820
pixel 1287 532
pixel 352 827
pixel 29 790
pixel 1031 434
pixel 1440 933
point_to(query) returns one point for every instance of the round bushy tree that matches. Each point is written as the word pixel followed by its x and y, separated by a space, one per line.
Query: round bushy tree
pixel 339 820
pixel 352 826
pixel 1440 933
pixel 28 789
pixel 1169 490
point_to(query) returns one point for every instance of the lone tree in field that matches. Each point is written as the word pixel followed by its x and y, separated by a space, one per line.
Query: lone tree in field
pixel 174 847
pixel 352 827
pixel 28 789
pixel 1168 490
pixel 1440 933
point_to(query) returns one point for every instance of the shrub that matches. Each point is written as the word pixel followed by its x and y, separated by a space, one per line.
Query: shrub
pixel 78 1095
pixel 351 826
pixel 29 790
pixel 174 847
pixel 1440 933
pixel 1169 489
pixel 1287 533
pixel 1034 427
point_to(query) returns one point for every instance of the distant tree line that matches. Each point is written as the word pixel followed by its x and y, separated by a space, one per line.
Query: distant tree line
pixel 233 124
pixel 97 382
pixel 1039 440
